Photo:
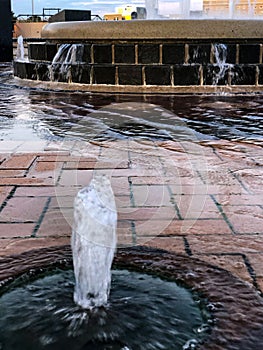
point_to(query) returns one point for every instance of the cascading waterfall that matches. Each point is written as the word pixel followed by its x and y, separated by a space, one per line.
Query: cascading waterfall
pixel 93 242
pixel 220 54
pixel 68 54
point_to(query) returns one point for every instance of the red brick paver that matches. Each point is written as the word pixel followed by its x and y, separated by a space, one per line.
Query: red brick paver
pixel 18 161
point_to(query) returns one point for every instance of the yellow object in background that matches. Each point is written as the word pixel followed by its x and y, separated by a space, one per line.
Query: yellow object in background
pixel 129 12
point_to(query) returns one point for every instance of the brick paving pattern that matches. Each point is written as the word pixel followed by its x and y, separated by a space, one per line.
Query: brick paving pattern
pixel 204 200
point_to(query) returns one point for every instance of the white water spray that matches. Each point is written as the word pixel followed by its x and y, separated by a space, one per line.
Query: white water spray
pixel 20 51
pixel 220 54
pixel 67 55
pixel 93 242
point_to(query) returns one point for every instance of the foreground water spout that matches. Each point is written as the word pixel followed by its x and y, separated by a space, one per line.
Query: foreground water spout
pixel 93 242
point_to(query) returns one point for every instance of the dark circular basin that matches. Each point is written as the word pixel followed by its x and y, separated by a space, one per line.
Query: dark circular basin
pixel 236 307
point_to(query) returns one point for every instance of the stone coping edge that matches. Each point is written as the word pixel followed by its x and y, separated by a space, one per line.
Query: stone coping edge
pixel 137 89
pixel 154 29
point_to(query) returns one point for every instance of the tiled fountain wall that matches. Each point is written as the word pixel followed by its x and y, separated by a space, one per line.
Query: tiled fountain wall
pixel 156 65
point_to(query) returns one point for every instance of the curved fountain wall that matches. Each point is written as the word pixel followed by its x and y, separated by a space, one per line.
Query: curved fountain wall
pixel 153 56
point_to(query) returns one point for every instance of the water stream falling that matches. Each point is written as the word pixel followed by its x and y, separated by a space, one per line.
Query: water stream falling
pixel 220 54
pixel 94 242
pixel 68 54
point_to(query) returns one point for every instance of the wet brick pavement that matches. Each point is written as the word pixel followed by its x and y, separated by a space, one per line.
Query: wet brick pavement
pixel 202 200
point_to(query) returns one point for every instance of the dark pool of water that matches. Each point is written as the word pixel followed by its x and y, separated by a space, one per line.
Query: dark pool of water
pixel 144 312
pixel 32 114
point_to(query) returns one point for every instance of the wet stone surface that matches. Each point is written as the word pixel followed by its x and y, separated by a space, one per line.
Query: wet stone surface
pixel 186 172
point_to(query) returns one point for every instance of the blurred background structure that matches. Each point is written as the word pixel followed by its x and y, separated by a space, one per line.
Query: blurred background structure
pixel 6 45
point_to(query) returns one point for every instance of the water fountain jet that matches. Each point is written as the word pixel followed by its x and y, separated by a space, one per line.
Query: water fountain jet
pixel 93 242
pixel 20 52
